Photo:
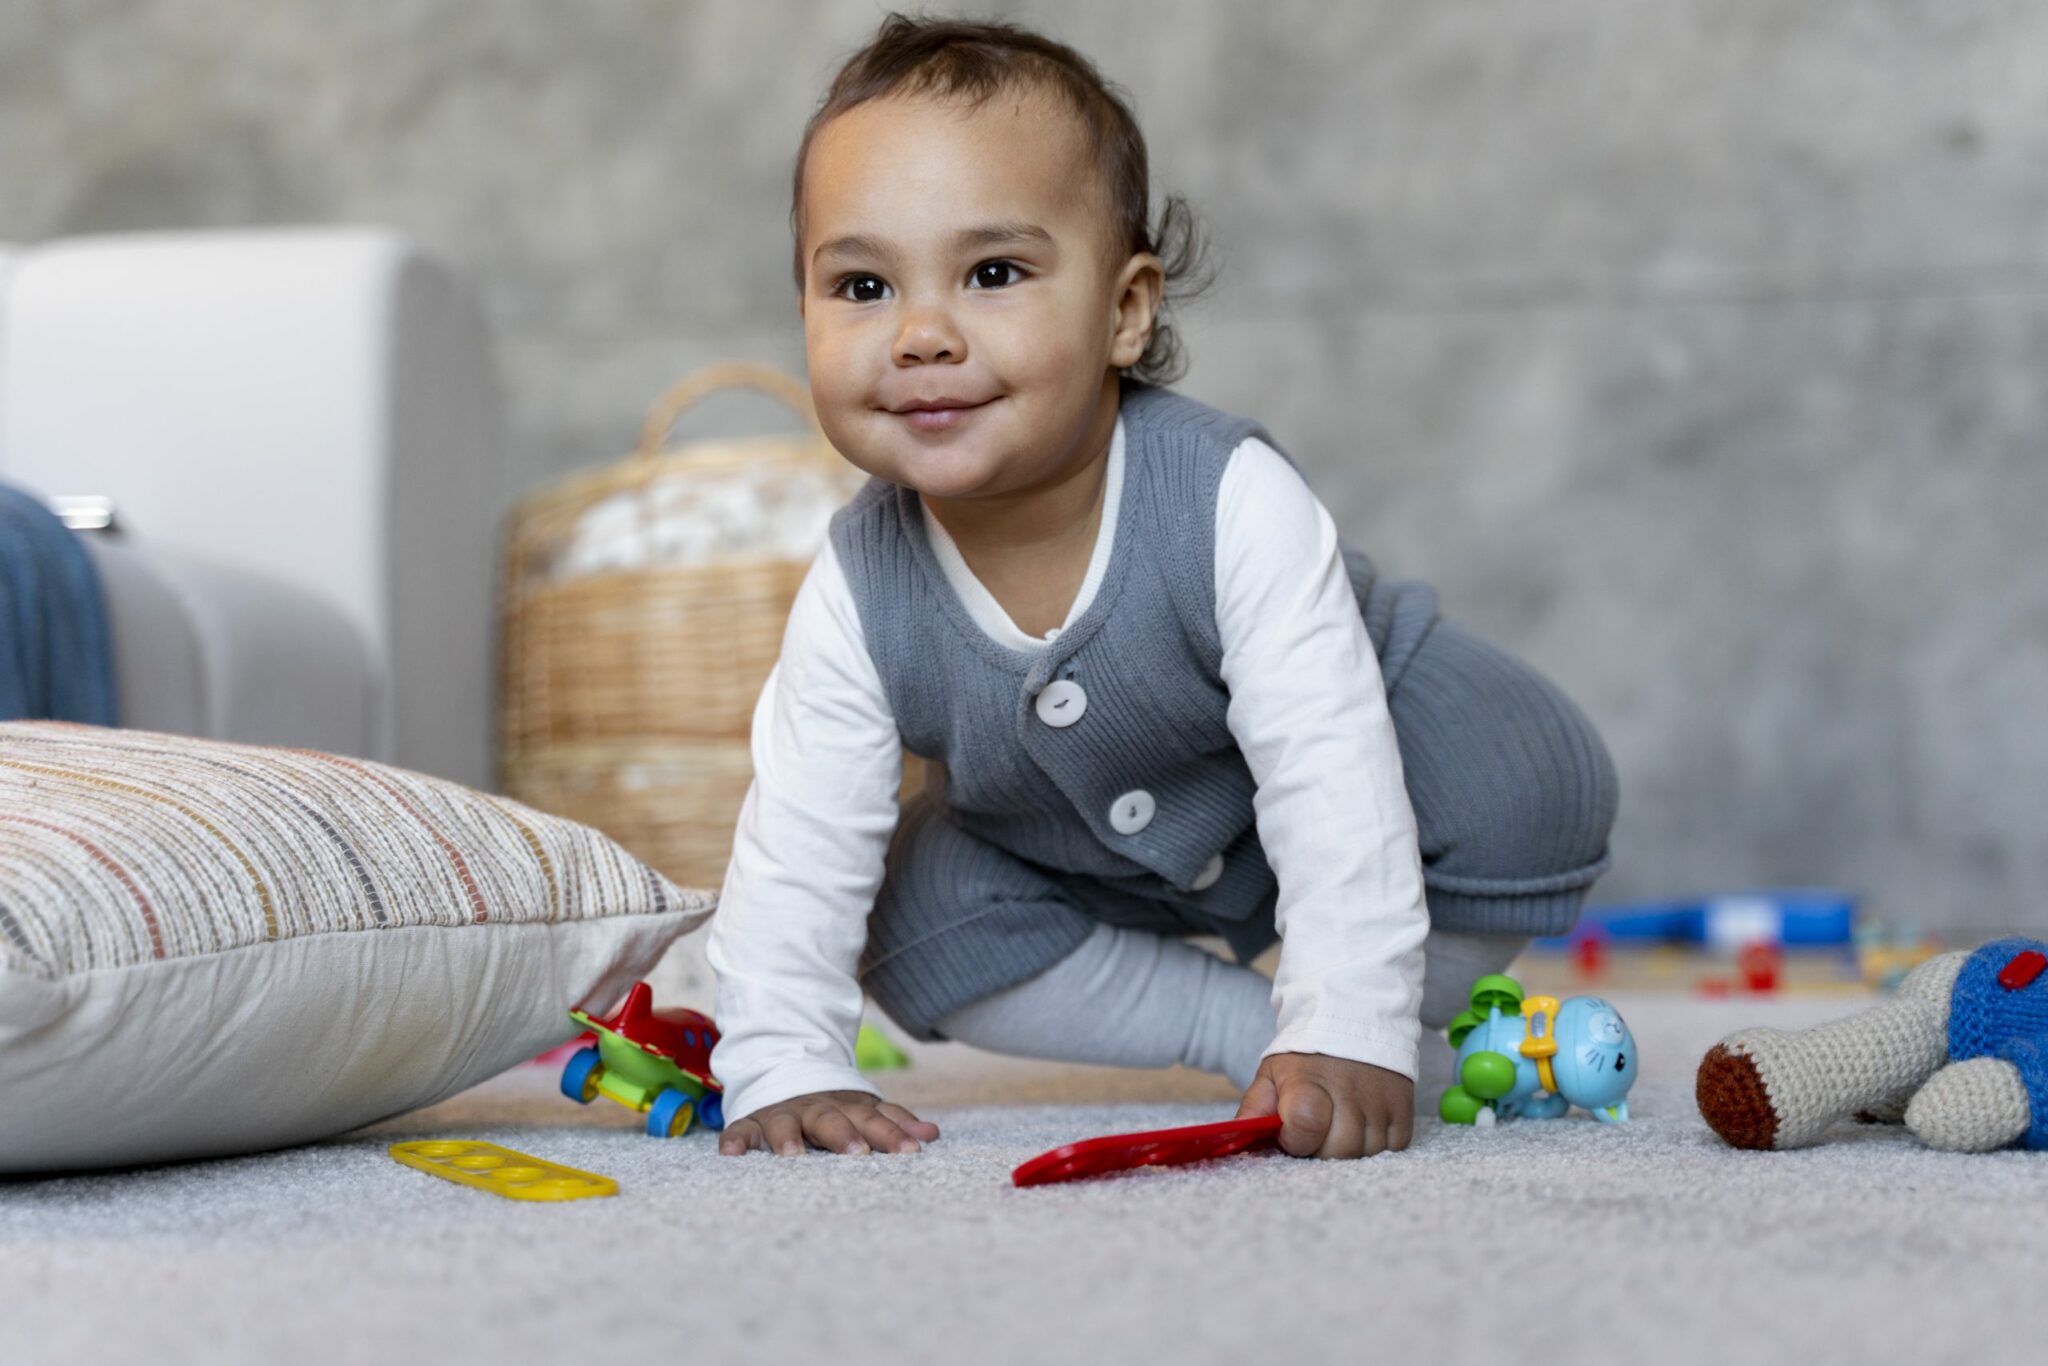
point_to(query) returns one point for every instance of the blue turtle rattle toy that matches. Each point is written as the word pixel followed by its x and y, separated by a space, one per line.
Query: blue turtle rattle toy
pixel 1537 1058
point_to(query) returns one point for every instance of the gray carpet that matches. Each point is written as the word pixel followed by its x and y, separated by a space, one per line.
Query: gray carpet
pixel 1538 1241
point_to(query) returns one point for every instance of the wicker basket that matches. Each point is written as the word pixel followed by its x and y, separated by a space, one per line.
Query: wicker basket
pixel 625 696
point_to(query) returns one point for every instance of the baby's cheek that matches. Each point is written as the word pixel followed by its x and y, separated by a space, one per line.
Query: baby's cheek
pixel 839 397
pixel 1051 344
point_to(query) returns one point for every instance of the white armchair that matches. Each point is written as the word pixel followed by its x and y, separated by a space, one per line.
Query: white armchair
pixel 298 430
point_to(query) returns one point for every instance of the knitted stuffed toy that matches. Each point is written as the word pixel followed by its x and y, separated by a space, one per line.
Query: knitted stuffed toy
pixel 1960 1054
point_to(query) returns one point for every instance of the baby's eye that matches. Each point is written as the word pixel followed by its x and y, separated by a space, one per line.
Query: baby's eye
pixel 996 274
pixel 861 289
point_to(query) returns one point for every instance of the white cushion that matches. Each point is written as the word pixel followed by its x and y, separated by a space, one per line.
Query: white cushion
pixel 202 649
pixel 314 406
pixel 211 948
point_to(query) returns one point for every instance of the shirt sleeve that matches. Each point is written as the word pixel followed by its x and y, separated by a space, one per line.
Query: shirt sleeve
pixel 807 859
pixel 1308 709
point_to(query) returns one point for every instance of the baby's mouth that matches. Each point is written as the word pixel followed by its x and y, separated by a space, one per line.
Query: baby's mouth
pixel 940 419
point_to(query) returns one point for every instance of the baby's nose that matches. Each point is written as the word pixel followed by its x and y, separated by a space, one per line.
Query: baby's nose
pixel 929 338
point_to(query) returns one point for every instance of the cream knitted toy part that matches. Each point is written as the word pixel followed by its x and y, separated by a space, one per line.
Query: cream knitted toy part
pixel 1957 1054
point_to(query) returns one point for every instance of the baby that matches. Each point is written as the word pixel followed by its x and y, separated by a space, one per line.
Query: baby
pixel 1158 697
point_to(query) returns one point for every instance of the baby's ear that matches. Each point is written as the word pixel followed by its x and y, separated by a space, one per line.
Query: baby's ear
pixel 1140 286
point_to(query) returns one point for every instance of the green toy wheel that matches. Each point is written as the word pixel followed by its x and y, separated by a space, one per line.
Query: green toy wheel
pixel 1496 989
pixel 1464 1024
pixel 1459 1106
pixel 1487 1075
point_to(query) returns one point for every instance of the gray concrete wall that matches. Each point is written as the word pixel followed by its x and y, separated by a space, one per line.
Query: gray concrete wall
pixel 1695 350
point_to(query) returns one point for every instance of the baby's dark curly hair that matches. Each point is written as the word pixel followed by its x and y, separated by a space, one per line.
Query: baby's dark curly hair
pixel 973 61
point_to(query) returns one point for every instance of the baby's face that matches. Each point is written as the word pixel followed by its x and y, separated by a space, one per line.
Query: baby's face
pixel 962 255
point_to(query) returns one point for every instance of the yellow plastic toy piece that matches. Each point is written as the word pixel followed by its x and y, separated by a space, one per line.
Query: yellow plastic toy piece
pixel 488 1167
pixel 1540 1012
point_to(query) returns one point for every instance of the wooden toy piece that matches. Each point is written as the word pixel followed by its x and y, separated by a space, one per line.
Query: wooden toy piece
pixel 501 1171
pixel 1589 951
pixel 1886 955
pixel 1759 962
pixel 1158 1148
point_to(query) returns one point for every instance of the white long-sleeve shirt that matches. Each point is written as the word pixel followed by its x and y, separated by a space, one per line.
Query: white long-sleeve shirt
pixel 1307 709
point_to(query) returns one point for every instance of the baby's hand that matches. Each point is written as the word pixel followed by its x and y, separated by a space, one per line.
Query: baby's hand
pixel 1330 1107
pixel 837 1121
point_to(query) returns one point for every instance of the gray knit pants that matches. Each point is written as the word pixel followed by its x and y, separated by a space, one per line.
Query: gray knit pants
pixel 1513 793
pixel 1127 998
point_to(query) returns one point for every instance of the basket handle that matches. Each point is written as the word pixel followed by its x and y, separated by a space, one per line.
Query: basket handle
pixel 694 387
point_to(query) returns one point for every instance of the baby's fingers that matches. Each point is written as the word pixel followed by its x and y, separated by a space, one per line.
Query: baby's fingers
pixel 924 1131
pixel 739 1136
pixel 782 1132
pixel 832 1129
pixel 1352 1132
pixel 884 1135
pixel 1398 1121
pixel 1389 1117
pixel 1306 1117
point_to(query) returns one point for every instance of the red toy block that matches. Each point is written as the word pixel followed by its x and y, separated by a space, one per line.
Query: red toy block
pixel 1590 952
pixel 1758 963
pixel 2023 969
pixel 1159 1148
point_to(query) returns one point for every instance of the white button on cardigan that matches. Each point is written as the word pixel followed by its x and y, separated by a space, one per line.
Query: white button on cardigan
pixel 1132 812
pixel 1061 703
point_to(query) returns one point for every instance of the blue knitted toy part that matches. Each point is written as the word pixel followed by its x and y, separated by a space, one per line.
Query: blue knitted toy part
pixel 1988 1020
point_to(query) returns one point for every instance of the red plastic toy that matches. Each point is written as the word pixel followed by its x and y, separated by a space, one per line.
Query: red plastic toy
pixel 657 1062
pixel 1759 963
pixel 684 1037
pixel 1159 1148
pixel 1590 952
pixel 2022 970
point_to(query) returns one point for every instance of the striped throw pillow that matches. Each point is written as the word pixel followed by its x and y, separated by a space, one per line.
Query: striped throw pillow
pixel 209 947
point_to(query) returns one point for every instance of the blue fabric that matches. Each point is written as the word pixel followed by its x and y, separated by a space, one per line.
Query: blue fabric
pixel 56 651
pixel 1986 1020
